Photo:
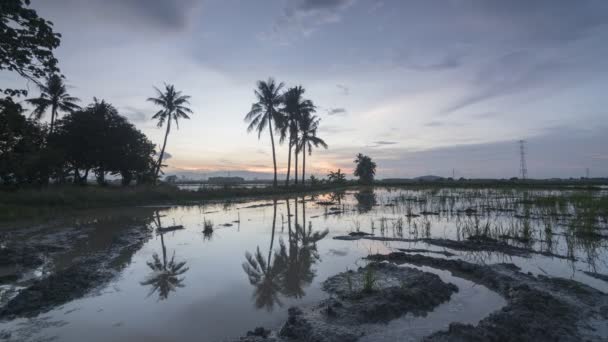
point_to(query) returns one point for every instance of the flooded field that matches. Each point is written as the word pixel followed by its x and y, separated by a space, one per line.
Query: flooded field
pixel 213 272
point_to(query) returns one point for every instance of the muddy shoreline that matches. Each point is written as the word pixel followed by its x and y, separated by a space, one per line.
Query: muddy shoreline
pixel 539 308
pixel 77 280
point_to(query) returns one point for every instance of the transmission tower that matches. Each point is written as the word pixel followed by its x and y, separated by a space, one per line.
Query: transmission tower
pixel 523 169
pixel 587 172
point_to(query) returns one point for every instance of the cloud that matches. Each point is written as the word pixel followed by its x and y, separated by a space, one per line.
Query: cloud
pixel 380 143
pixel 161 14
pixel 336 111
pixel 433 124
pixel 345 89
pixel 303 17
pixel 511 73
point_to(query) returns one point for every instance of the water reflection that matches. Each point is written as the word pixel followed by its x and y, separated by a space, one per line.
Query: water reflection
pixel 291 269
pixel 263 274
pixel 164 277
pixel 366 200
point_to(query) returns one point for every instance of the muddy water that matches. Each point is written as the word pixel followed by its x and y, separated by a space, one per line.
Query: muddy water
pixel 263 256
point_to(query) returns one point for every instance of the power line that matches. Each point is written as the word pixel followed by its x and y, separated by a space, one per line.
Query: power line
pixel 523 169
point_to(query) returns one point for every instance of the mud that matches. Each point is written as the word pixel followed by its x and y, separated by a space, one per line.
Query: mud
pixel 352 305
pixel 77 280
pixel 538 308
pixel 472 244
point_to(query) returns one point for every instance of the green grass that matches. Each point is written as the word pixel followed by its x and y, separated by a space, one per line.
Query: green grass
pixel 56 200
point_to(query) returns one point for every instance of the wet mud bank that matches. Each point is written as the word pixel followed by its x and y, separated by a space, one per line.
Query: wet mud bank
pixel 539 308
pixel 472 244
pixel 72 282
pixel 374 294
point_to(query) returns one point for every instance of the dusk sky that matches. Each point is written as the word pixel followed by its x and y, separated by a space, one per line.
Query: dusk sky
pixel 423 87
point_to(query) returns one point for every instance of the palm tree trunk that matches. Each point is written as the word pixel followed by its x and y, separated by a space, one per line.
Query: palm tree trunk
pixel 274 221
pixel 304 165
pixel 53 114
pixel 288 163
pixel 162 151
pixel 295 169
pixel 274 158
pixel 289 221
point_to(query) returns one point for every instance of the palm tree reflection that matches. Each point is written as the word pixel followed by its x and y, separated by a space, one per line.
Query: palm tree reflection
pixel 263 274
pixel 291 270
pixel 165 276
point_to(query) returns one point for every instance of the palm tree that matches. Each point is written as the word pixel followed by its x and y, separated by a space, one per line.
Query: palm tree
pixel 53 94
pixel 308 138
pixel 295 106
pixel 266 111
pixel 174 107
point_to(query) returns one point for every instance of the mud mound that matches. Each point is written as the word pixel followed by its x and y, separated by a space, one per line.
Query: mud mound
pixel 395 291
pixel 539 308
pixel 376 293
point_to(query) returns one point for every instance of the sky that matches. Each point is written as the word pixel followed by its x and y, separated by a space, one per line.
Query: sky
pixel 423 87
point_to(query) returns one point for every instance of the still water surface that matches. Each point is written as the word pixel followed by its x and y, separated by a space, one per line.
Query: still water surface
pixel 264 256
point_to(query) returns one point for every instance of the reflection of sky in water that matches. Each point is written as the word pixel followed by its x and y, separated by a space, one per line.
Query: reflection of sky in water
pixel 210 297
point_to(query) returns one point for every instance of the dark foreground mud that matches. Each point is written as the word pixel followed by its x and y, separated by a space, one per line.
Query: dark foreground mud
pixel 472 244
pixel 75 281
pixel 377 293
pixel 539 308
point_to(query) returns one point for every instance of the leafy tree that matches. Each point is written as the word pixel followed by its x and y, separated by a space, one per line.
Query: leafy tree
pixel 336 177
pixel 26 43
pixel 21 146
pixel 365 169
pixel 265 112
pixel 98 139
pixel 53 94
pixel 174 107
pixel 308 131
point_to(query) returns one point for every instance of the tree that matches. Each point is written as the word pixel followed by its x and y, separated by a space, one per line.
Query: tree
pixel 365 169
pixel 53 94
pixel 294 108
pixel 174 107
pixel 97 138
pixel 265 112
pixel 21 146
pixel 308 138
pixel 26 42
pixel 336 177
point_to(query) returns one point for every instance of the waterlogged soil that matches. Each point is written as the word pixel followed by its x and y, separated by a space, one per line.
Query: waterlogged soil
pixel 539 308
pixel 368 265
pixel 376 293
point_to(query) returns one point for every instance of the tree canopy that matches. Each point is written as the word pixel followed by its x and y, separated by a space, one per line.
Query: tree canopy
pixel 27 42
pixel 365 169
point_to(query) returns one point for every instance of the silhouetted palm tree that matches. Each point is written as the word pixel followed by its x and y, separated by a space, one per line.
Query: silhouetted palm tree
pixel 53 94
pixel 295 106
pixel 308 138
pixel 174 107
pixel 265 112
